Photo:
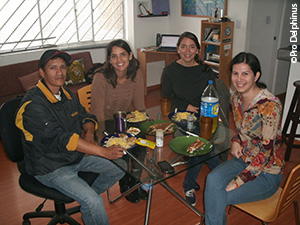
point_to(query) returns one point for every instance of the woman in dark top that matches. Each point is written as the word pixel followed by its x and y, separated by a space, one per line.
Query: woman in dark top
pixel 184 81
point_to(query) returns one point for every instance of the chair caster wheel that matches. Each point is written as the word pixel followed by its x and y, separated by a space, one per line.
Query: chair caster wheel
pixel 26 222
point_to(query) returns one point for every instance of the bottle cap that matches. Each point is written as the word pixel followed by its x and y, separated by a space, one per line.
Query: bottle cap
pixel 159 132
pixel 210 82
pixel 190 117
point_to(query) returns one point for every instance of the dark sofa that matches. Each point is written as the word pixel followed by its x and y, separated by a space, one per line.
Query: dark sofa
pixel 10 85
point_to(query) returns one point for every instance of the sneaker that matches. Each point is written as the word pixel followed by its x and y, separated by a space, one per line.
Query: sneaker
pixel 197 187
pixel 190 197
pixel 133 197
pixel 143 194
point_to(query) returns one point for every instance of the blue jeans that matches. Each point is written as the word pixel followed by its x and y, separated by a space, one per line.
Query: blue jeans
pixel 193 173
pixel 67 181
pixel 216 198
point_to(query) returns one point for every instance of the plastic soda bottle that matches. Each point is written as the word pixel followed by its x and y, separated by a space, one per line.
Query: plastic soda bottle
pixel 209 111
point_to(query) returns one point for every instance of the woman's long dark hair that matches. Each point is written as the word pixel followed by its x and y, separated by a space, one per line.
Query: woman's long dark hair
pixel 252 61
pixel 109 71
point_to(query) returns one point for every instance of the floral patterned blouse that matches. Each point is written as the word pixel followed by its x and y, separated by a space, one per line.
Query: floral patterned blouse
pixel 258 130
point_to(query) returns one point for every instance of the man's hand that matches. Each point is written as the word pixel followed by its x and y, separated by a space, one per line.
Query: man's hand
pixel 114 152
pixel 192 108
pixel 236 150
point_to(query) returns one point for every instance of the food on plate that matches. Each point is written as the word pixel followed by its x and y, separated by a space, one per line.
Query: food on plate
pixel 136 116
pixel 122 140
pixel 183 116
pixel 134 130
pixel 195 146
pixel 167 128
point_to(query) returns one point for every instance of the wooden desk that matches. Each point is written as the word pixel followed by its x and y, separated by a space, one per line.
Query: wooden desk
pixel 145 57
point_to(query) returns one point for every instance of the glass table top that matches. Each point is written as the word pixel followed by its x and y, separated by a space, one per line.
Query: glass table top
pixel 143 162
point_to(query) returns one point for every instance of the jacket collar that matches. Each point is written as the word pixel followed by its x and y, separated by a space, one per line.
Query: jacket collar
pixel 49 95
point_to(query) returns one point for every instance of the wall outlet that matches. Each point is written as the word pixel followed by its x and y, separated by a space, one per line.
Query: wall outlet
pixel 238 24
pixel 268 19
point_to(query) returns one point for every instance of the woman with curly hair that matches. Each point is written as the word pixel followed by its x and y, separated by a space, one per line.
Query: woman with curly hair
pixel 256 168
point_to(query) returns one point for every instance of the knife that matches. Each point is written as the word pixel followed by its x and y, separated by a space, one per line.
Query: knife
pixel 187 132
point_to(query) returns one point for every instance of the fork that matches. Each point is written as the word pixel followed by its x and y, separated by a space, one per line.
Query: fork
pixel 209 142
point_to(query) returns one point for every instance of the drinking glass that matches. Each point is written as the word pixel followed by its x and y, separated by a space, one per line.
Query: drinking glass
pixel 165 105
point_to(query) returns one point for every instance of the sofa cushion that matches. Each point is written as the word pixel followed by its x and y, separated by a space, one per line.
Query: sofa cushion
pixel 75 72
pixel 10 85
pixel 29 81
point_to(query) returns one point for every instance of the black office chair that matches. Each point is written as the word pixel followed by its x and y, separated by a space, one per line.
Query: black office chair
pixel 11 138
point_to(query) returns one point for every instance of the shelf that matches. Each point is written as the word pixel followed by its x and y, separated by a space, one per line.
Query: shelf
pixel 153 16
pixel 211 43
pixel 216 47
pixel 214 23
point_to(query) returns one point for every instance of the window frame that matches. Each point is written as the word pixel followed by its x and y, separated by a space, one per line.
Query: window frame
pixel 79 44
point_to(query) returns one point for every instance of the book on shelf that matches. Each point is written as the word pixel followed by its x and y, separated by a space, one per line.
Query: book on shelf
pixel 211 63
pixel 213 57
pixel 206 32
pixel 211 53
pixel 215 69
pixel 213 35
pixel 210 49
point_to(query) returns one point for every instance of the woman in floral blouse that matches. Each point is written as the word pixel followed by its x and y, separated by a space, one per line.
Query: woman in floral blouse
pixel 256 168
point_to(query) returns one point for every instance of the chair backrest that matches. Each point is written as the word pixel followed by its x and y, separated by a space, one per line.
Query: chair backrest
pixel 84 95
pixel 290 190
pixel 10 134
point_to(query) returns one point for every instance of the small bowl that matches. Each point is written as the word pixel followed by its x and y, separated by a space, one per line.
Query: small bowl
pixel 183 123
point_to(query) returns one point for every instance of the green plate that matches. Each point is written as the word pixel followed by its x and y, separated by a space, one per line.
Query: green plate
pixel 180 144
pixel 146 125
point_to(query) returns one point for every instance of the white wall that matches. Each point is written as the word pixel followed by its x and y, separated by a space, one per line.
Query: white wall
pixel 237 11
pixel 145 35
pixel 141 32
pixel 146 29
pixel 98 55
pixel 263 38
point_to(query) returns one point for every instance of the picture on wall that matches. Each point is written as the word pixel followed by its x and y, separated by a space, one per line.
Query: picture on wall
pixel 202 8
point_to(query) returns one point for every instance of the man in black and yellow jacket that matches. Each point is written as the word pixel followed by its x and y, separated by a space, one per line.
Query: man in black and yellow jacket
pixel 52 121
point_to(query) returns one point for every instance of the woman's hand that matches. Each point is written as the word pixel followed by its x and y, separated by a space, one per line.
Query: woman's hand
pixel 231 186
pixel 236 150
pixel 192 108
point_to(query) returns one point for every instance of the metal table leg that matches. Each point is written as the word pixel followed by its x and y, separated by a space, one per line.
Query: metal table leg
pixel 133 188
pixel 148 207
